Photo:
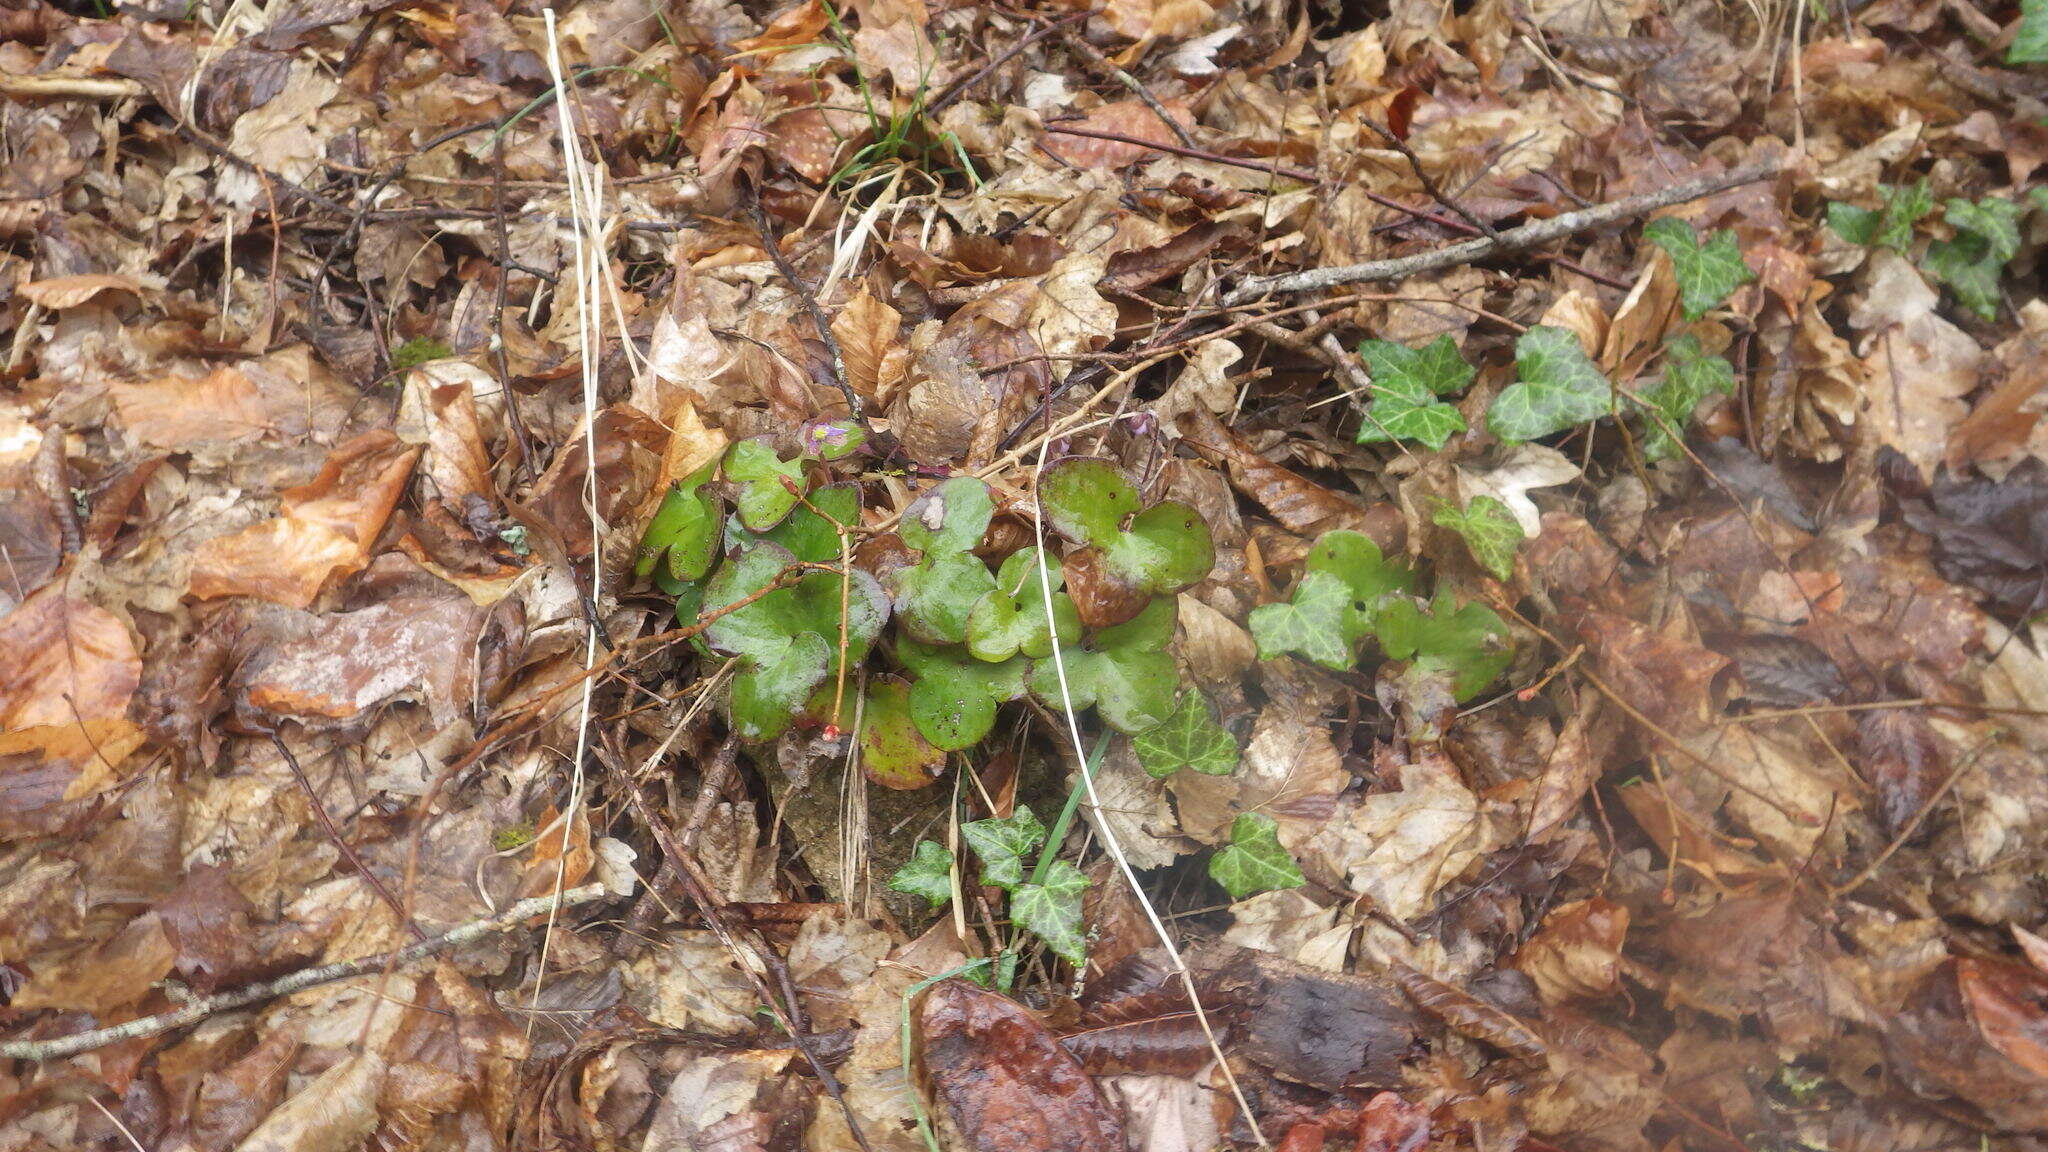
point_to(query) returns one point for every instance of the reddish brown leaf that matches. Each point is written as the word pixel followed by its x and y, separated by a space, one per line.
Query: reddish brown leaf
pixel 1902 758
pixel 1577 952
pixel 1008 1084
pixel 1099 596
pixel 1392 1124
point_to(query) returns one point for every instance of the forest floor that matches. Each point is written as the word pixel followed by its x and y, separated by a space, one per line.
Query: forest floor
pixel 913 575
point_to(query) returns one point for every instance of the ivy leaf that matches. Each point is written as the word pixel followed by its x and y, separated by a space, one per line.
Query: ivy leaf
pixel 1003 844
pixel 928 873
pixel 1313 625
pixel 954 698
pixel 780 633
pixel 1405 385
pixel 2030 42
pixel 1559 388
pixel 761 477
pixel 934 596
pixel 1490 530
pixel 682 538
pixel 1691 374
pixel 1012 619
pixel 1987 237
pixel 1706 273
pixel 1888 227
pixel 1469 644
pixel 1188 738
pixel 1125 671
pixel 1164 549
pixel 1051 911
pixel 1254 861
pixel 893 752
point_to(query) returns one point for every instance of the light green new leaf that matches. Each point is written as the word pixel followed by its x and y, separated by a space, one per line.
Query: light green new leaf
pixel 764 481
pixel 1166 548
pixel 1051 911
pixel 682 538
pixel 1559 388
pixel 1124 671
pixel 1987 237
pixel 1691 374
pixel 780 634
pixel 1189 738
pixel 1012 619
pixel 928 873
pixel 950 518
pixel 1313 625
pixel 1405 385
pixel 807 534
pixel 2030 43
pixel 1706 273
pixel 1003 844
pixel 1254 861
pixel 1490 530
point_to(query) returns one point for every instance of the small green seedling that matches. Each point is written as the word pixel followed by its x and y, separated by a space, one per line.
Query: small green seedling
pixel 1987 237
pixel 417 351
pixel 928 873
pixel 1254 861
pixel 1406 384
pixel 1691 374
pixel 1133 552
pixel 1188 738
pixel 1890 226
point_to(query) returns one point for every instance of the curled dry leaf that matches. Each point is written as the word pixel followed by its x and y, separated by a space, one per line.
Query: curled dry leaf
pixel 1577 953
pixel 64 694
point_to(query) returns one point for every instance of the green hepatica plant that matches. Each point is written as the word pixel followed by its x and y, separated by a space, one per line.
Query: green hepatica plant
pixel 757 549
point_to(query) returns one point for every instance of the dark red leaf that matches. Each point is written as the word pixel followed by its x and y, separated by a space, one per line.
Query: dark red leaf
pixel 1008 1084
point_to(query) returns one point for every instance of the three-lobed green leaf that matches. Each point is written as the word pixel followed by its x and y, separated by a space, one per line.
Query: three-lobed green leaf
pixel 1706 273
pixel 1558 387
pixel 1002 844
pixel 1468 643
pixel 1406 384
pixel 1490 530
pixel 781 633
pixel 1163 549
pixel 934 596
pixel 1012 620
pixel 1345 582
pixel 928 873
pixel 768 486
pixel 954 699
pixel 1187 738
pixel 1890 226
pixel 1691 374
pixel 1254 861
pixel 1970 263
pixel 1051 910
pixel 681 540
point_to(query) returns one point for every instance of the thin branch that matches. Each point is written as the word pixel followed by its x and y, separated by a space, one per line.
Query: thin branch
pixel 62 1046
pixel 1083 48
pixel 341 842
pixel 1191 153
pixel 810 303
pixel 1527 236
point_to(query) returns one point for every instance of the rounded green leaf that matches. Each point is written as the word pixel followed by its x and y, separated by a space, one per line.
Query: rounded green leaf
pixel 892 751
pixel 769 693
pixel 935 595
pixel 1315 625
pixel 1086 499
pixel 1167 548
pixel 1012 619
pixel 950 518
pixel 681 539
pixel 954 697
pixel 1490 530
pixel 1468 643
pixel 806 533
pixel 1126 672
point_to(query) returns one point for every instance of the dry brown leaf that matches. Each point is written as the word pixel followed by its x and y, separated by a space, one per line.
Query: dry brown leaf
pixel 1918 366
pixel 867 328
pixel 1577 953
pixel 64 692
pixel 1131 118
pixel 334 1112
pixel 1401 847
pixel 60 292
pixel 326 529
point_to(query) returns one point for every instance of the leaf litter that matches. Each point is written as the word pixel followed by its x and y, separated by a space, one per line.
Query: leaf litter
pixel 628 575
